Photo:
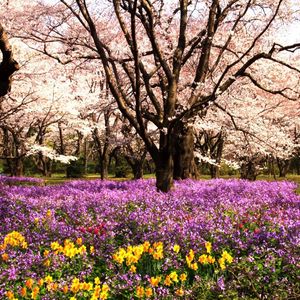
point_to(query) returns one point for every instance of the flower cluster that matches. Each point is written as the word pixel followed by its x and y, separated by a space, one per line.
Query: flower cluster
pixel 125 240
pixel 14 239
pixel 69 249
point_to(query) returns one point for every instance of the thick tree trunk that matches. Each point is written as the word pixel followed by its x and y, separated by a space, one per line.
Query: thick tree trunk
pixel 138 171
pixel 17 168
pixel 214 171
pixel 164 164
pixel 283 166
pixel 8 65
pixel 164 171
pixel 103 164
pixel 184 160
pixel 248 171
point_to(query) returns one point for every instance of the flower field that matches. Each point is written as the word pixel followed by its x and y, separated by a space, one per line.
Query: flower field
pixel 216 239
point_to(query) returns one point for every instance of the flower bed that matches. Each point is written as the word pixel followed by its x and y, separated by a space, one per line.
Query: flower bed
pixel 124 240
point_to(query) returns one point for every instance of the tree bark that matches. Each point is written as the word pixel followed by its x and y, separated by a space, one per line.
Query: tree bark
pixel 103 164
pixel 248 171
pixel 164 169
pixel 217 152
pixel 8 65
pixel 164 175
pixel 184 160
pixel 283 166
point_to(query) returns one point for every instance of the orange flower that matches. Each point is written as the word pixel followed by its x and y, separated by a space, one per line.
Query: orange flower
pixel 5 256
pixel 29 283
pixel 23 291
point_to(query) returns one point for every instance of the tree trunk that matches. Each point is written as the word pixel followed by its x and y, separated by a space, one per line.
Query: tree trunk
pixel 103 163
pixel 17 167
pixel 164 171
pixel 283 166
pixel 8 65
pixel 217 152
pixel 214 171
pixel 248 171
pixel 184 160
pixel 138 171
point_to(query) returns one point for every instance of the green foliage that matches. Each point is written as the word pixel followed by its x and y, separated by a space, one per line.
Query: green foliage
pixel 76 169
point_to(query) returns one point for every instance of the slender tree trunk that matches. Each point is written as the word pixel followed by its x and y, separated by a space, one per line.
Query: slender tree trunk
pixel 61 140
pixel 217 152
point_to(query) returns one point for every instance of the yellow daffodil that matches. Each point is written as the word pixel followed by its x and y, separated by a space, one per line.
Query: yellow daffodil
pixel 176 248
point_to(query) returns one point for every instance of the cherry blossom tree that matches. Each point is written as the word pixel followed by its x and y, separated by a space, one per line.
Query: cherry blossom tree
pixel 165 62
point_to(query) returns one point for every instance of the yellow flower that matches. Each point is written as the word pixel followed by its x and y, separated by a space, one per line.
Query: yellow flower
pixel 92 249
pixel 146 246
pixel 158 255
pixel 14 239
pixel 103 295
pixel 183 277
pixel 210 259
pixel 97 280
pixel 47 263
pixel 194 266
pixel 75 286
pixel 222 263
pixel 35 292
pixel 97 291
pixel 148 292
pixel 227 256
pixel 140 291
pixel 132 269
pixel 82 249
pixel 179 292
pixel 48 213
pixel 154 281
pixel 72 298
pixel 41 282
pixel 176 248
pixel 190 257
pixel 174 276
pixel 65 289
pixel 55 246
pixel 167 281
pixel 79 241
pixel 48 279
pixel 10 295
pixel 203 259
pixel 105 288
pixel 208 247
pixel 104 292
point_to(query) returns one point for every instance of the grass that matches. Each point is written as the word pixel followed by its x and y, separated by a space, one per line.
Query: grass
pixel 58 178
